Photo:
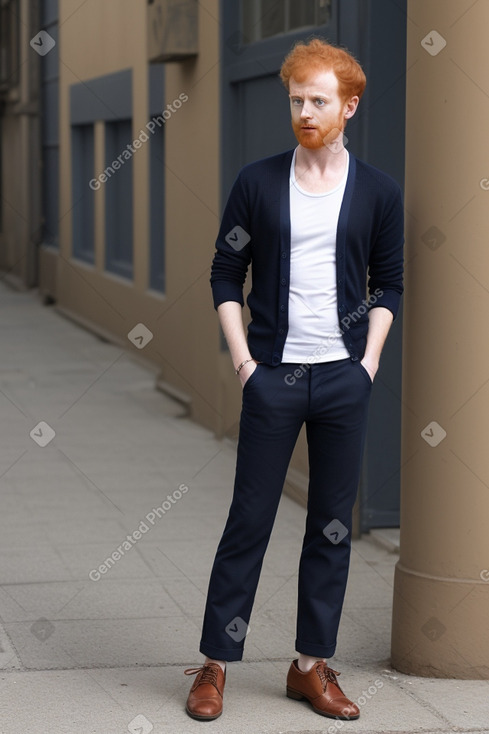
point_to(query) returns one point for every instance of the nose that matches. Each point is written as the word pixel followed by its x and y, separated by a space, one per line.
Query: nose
pixel 305 111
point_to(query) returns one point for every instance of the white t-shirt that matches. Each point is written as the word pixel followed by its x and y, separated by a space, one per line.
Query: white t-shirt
pixel 314 333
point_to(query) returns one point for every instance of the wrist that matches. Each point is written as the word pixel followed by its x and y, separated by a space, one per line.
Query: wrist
pixel 371 359
pixel 246 371
pixel 239 367
pixel 370 365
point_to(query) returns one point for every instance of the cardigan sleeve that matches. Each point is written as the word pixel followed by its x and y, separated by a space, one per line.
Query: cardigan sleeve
pixel 233 247
pixel 386 262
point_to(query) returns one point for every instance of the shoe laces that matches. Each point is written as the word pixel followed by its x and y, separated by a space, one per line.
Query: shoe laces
pixel 209 673
pixel 327 674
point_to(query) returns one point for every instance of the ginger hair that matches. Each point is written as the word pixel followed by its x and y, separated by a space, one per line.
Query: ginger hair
pixel 317 55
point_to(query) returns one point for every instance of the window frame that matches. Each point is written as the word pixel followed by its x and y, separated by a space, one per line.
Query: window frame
pixel 257 9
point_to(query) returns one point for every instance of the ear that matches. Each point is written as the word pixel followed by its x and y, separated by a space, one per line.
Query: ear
pixel 351 107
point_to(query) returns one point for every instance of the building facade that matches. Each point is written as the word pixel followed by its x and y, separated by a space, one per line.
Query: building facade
pixel 135 118
pixel 140 115
pixel 123 125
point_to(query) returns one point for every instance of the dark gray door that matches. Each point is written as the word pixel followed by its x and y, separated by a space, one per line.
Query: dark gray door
pixel 256 36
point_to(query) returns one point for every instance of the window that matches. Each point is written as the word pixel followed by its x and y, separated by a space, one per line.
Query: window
pixel 266 18
pixel 83 201
pixel 118 198
pixel 108 99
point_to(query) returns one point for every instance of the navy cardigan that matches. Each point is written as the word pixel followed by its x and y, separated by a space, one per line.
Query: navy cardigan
pixel 255 228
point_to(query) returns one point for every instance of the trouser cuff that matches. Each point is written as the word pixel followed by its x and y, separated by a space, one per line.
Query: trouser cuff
pixel 219 653
pixel 319 651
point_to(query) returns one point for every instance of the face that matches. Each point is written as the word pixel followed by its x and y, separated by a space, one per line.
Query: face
pixel 319 114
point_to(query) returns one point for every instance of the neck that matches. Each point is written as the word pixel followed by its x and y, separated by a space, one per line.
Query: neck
pixel 322 159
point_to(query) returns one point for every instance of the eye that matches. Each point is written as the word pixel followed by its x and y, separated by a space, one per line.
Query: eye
pixel 296 100
pixel 320 102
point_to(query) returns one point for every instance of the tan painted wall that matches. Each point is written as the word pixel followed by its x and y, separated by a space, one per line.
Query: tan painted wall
pixel 102 38
pixel 193 205
pixel 441 599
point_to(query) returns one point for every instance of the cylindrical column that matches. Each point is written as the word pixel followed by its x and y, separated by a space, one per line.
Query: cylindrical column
pixel 441 592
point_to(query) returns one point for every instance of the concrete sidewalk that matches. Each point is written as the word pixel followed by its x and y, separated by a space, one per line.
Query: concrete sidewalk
pixel 87 647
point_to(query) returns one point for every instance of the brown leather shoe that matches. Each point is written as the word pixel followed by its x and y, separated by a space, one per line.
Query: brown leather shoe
pixel 204 701
pixel 321 688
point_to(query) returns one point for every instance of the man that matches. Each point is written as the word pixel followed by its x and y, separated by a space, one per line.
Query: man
pixel 313 222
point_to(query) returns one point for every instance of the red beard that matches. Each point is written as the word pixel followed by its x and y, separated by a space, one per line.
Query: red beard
pixel 320 136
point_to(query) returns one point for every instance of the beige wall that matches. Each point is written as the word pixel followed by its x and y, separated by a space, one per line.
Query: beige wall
pixel 441 599
pixel 193 212
pixel 185 342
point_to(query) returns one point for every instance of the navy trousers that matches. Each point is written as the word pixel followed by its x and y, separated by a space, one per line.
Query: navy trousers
pixel 332 399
